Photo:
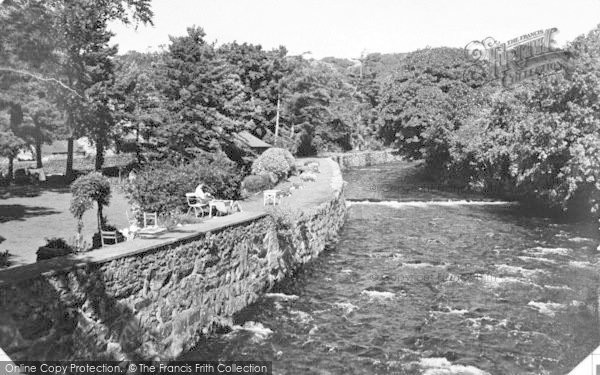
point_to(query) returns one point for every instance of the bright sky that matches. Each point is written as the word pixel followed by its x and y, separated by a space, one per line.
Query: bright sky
pixel 345 28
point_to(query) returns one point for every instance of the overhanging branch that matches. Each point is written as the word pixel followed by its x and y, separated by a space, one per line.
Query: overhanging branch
pixel 41 78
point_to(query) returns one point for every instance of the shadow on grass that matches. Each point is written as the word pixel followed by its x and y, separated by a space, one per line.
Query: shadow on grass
pixel 12 212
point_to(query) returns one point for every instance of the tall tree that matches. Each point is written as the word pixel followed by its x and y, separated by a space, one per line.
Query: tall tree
pixel 200 95
pixel 66 43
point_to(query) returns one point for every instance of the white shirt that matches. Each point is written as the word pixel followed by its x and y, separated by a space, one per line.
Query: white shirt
pixel 200 193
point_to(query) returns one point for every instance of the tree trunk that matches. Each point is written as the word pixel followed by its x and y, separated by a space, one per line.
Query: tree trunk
pixel 69 171
pixel 99 156
pixel 138 154
pixel 100 218
pixel 10 168
pixel 38 152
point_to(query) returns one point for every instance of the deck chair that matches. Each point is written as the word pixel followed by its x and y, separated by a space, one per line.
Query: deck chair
pixel 196 204
pixel 108 236
pixel 151 227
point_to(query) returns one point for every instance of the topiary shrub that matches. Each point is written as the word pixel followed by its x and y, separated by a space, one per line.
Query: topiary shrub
pixel 54 247
pixel 274 160
pixel 254 183
pixel 92 187
pixel 161 187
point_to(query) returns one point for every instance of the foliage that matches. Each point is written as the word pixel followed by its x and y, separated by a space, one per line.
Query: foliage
pixel 537 141
pixel 87 189
pixel 4 262
pixel 274 160
pixel 426 102
pixel 54 247
pixel 161 187
pixel 318 100
pixel 198 90
pixel 256 183
pixel 63 46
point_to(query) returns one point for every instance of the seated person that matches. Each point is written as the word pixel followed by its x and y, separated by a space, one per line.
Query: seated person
pixel 200 194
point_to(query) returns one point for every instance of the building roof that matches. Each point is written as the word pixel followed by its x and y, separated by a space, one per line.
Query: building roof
pixel 251 140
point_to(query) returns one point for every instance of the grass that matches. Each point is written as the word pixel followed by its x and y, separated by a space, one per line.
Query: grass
pixel 26 220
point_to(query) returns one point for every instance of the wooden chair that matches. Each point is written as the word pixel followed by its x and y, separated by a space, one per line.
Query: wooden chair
pixel 150 219
pixel 108 235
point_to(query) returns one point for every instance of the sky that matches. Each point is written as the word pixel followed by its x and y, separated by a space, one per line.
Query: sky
pixel 348 28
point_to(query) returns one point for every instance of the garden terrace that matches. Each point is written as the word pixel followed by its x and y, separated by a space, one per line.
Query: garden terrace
pixel 46 215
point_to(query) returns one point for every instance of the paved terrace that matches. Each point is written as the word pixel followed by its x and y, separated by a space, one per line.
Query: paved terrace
pixel 313 194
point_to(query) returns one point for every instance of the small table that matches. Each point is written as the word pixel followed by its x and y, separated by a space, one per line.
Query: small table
pixel 271 196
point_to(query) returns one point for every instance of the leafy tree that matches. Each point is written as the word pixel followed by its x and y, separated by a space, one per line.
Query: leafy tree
pixel 260 73
pixel 315 95
pixel 10 145
pixel 138 100
pixel 65 43
pixel 199 93
pixel 428 100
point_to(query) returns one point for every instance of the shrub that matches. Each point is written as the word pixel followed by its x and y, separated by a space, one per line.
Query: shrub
pixel 275 160
pixel 4 262
pixel 254 183
pixel 54 247
pixel 92 187
pixel 161 188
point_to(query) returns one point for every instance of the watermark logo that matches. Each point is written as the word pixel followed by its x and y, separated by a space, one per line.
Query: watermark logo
pixel 529 55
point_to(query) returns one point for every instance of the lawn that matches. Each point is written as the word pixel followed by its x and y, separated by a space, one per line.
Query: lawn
pixel 28 215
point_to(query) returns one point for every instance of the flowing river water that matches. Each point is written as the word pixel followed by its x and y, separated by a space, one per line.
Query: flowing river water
pixel 424 281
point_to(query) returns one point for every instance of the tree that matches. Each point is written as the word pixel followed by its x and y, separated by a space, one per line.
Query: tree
pixel 86 190
pixel 317 99
pixel 425 102
pixel 10 145
pixel 260 73
pixel 199 96
pixel 138 100
pixel 69 42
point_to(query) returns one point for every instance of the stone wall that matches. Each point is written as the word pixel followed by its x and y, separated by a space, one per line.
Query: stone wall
pixel 155 304
pixel 364 158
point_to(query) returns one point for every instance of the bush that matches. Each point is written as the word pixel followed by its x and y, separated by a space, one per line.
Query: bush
pixel 274 160
pixel 161 188
pixel 4 262
pixel 254 183
pixel 54 247
pixel 92 187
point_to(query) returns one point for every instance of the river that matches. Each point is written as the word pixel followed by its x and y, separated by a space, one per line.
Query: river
pixel 426 281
